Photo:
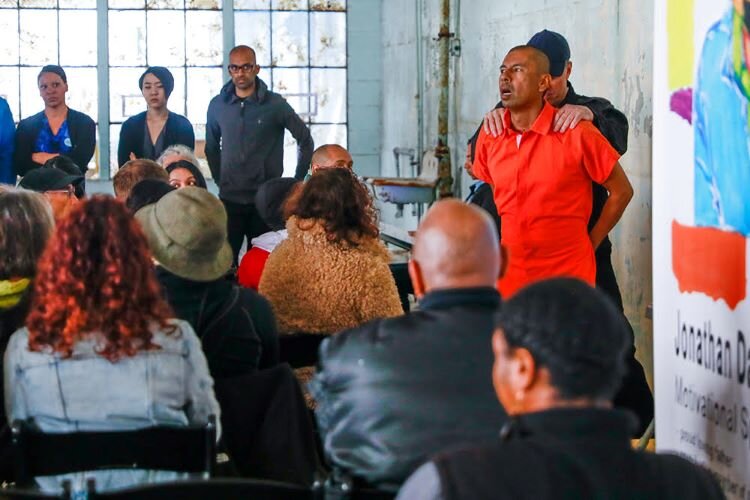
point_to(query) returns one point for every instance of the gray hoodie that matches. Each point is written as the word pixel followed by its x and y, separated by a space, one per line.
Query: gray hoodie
pixel 245 141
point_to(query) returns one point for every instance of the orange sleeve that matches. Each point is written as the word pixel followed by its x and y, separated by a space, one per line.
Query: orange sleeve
pixel 251 268
pixel 599 157
pixel 479 168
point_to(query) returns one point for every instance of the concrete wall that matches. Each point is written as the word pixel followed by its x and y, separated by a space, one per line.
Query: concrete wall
pixel 611 45
pixel 365 84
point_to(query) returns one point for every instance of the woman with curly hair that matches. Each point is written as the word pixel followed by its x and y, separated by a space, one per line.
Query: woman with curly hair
pixel 99 350
pixel 332 272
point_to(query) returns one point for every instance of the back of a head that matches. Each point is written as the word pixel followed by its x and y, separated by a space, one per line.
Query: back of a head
pixel 26 223
pixel 68 166
pixel 270 199
pixel 340 201
pixel 572 330
pixel 457 245
pixel 146 192
pixel 177 152
pixel 133 172
pixel 96 275
pixel 330 156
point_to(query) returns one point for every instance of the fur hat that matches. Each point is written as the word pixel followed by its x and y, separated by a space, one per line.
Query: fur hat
pixel 187 233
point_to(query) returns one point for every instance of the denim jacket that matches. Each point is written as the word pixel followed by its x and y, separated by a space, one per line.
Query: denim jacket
pixel 166 386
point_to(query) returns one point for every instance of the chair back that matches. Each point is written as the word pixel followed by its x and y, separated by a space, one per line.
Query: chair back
pixel 181 449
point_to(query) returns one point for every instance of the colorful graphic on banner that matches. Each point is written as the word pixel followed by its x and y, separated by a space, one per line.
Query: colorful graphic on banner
pixel 701 224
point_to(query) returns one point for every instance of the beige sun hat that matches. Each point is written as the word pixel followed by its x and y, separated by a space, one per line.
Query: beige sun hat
pixel 187 233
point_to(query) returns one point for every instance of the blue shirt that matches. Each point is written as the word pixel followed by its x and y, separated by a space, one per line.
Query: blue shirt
pixel 47 142
pixel 722 140
pixel 7 144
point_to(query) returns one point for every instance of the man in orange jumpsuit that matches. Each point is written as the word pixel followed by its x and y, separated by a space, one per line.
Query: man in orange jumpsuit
pixel 541 180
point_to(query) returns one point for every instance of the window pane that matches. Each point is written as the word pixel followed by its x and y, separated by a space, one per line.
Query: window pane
pixel 329 92
pixel 77 45
pixel 38 3
pixel 8 3
pixel 289 4
pixel 331 5
pixel 127 4
pixel 38 36
pixel 254 30
pixel 82 94
pixel 204 4
pixel 289 38
pixel 114 140
pixel 31 102
pixel 166 38
pixel 328 39
pixel 77 4
pixel 293 84
pixel 290 155
pixel 328 134
pixel 252 4
pixel 203 85
pixel 125 98
pixel 9 25
pixel 127 38
pixel 9 89
pixel 204 38
pixel 165 4
pixel 177 99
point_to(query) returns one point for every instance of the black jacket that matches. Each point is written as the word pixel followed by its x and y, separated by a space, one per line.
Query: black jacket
pixel 177 130
pixel 395 391
pixel 245 141
pixel 571 454
pixel 236 325
pixel 482 196
pixel 82 131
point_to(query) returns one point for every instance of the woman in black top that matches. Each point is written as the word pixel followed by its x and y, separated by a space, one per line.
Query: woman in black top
pixel 147 134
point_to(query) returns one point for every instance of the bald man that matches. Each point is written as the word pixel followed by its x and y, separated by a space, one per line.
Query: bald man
pixel 330 156
pixel 393 392
pixel 245 143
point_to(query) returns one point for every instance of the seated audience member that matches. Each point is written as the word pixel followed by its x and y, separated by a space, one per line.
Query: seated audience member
pixel 68 166
pixel 187 233
pixel 7 144
pixel 332 271
pixel 134 172
pixel 56 130
pixel 384 407
pixel 147 134
pixel 560 350
pixel 177 152
pixel 146 192
pixel 182 174
pixel 269 201
pixel 57 186
pixel 330 156
pixel 95 337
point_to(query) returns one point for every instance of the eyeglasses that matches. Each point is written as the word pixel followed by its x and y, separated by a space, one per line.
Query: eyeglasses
pixel 245 68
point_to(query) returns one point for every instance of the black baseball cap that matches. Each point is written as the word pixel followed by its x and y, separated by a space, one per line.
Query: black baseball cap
pixel 555 47
pixel 48 179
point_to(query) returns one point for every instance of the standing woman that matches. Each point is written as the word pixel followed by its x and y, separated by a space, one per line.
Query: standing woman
pixel 56 130
pixel 148 134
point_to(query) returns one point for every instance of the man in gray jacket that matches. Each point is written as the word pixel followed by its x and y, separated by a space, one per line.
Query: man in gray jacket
pixel 245 143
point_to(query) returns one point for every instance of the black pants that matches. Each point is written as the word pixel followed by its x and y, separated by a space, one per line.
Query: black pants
pixel 634 394
pixel 243 221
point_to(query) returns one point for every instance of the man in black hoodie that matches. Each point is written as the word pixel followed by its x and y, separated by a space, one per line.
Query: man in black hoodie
pixel 245 143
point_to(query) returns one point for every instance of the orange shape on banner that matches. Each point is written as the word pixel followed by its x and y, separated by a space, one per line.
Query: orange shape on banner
pixel 709 261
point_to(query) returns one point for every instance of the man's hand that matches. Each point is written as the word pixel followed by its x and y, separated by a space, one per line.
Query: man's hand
pixel 132 157
pixel 493 122
pixel 41 158
pixel 571 115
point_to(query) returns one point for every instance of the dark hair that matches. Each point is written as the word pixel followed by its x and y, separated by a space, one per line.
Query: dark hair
pixel 67 165
pixel 270 199
pixel 146 192
pixel 340 201
pixel 133 172
pixel 53 68
pixel 96 277
pixel 163 74
pixel 200 181
pixel 574 331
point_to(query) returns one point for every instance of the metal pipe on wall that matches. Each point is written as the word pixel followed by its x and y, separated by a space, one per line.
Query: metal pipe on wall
pixel 419 11
pixel 442 151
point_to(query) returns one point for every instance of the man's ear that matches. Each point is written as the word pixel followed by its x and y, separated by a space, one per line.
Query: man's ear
pixel 524 371
pixel 503 261
pixel 569 68
pixel 417 281
pixel 545 82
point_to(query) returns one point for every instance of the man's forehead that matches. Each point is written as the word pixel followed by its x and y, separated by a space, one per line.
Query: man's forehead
pixel 242 57
pixel 518 57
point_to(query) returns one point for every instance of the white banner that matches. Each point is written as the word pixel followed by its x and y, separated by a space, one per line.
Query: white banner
pixel 701 223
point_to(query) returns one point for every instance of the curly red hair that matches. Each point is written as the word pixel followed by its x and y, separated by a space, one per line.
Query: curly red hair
pixel 96 277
